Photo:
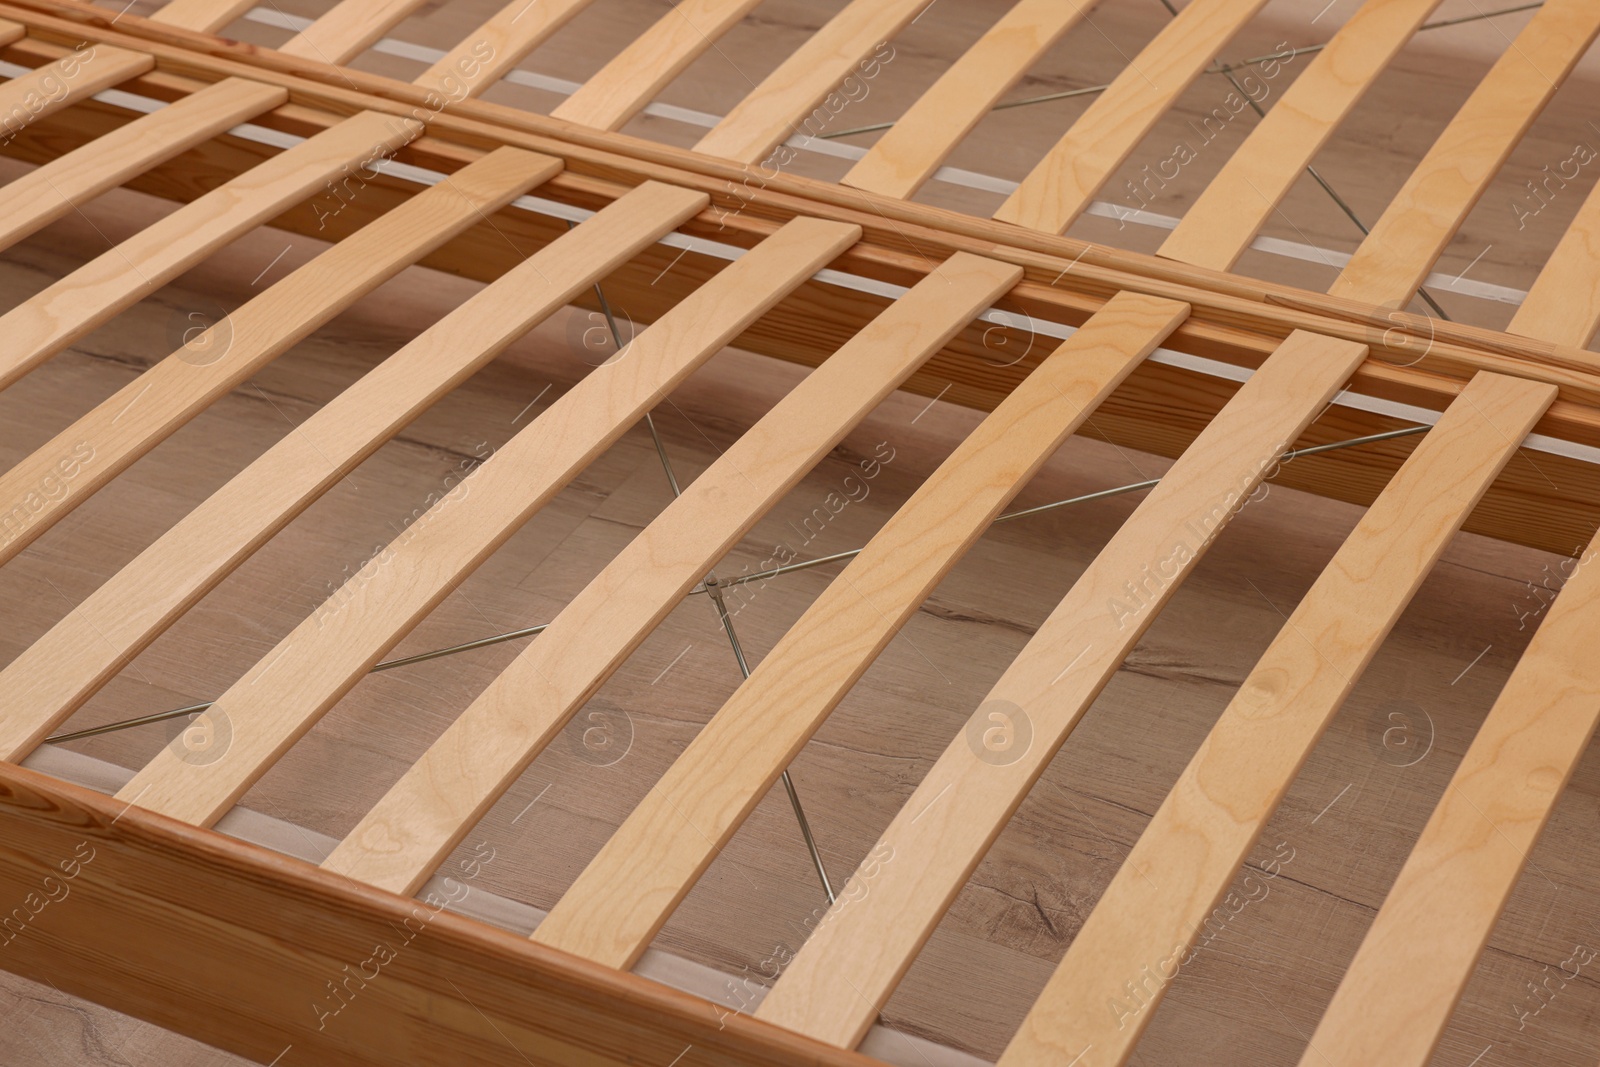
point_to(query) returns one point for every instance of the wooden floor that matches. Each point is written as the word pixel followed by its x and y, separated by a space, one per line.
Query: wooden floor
pixel 1254 992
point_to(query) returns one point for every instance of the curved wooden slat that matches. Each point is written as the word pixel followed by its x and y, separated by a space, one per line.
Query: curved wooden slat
pixel 620 89
pixel 74 77
pixel 1179 870
pixel 499 45
pixel 60 475
pixel 624 896
pixel 1236 203
pixel 71 307
pixel 443 795
pixel 1417 957
pixel 281 697
pixel 1063 184
pixel 202 16
pixel 1563 306
pixel 914 147
pixel 50 190
pixel 776 108
pixel 846 971
pixel 58 672
pixel 348 29
pixel 1425 214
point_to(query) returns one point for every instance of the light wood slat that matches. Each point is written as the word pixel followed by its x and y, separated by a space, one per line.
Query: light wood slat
pixel 614 909
pixel 60 475
pixel 776 108
pixel 73 77
pixel 1179 870
pixel 922 139
pixel 620 89
pixel 1563 306
pixel 348 29
pixel 443 795
pixel 11 31
pixel 846 971
pixel 203 16
pixel 57 673
pixel 1063 184
pixel 1425 214
pixel 1236 203
pixel 499 45
pixel 1417 957
pixel 71 307
pixel 281 697
pixel 50 190
pixel 1399 992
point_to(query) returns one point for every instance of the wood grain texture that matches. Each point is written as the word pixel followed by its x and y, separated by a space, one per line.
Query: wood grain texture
pixel 349 28
pixel 204 16
pixel 50 190
pixel 1239 200
pixel 66 666
pixel 846 971
pixel 1135 941
pixel 1059 188
pixel 499 44
pixel 74 77
pixel 1563 304
pixel 920 140
pixel 287 691
pixel 620 89
pixel 444 794
pixel 243 948
pixel 92 294
pixel 58 476
pixel 777 108
pixel 625 895
pixel 1425 214
pixel 1417 957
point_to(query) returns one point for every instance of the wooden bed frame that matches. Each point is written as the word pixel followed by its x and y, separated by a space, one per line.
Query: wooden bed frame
pixel 199 931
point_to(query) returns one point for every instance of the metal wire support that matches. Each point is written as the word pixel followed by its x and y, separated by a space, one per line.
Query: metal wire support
pixel 720 584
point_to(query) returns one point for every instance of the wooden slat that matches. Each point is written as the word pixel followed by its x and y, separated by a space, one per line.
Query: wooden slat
pixel 57 673
pixel 283 696
pixel 60 475
pixel 203 16
pixel 846 971
pixel 74 77
pixel 621 88
pixel 1063 184
pixel 71 307
pixel 1236 203
pixel 624 896
pixel 49 191
pixel 11 31
pixel 1425 214
pixel 1563 306
pixel 499 45
pixel 348 29
pixel 776 108
pixel 914 147
pixel 443 795
pixel 1177 873
pixel 1417 957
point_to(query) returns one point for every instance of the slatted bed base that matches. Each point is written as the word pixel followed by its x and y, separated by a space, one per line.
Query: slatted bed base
pixel 192 912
